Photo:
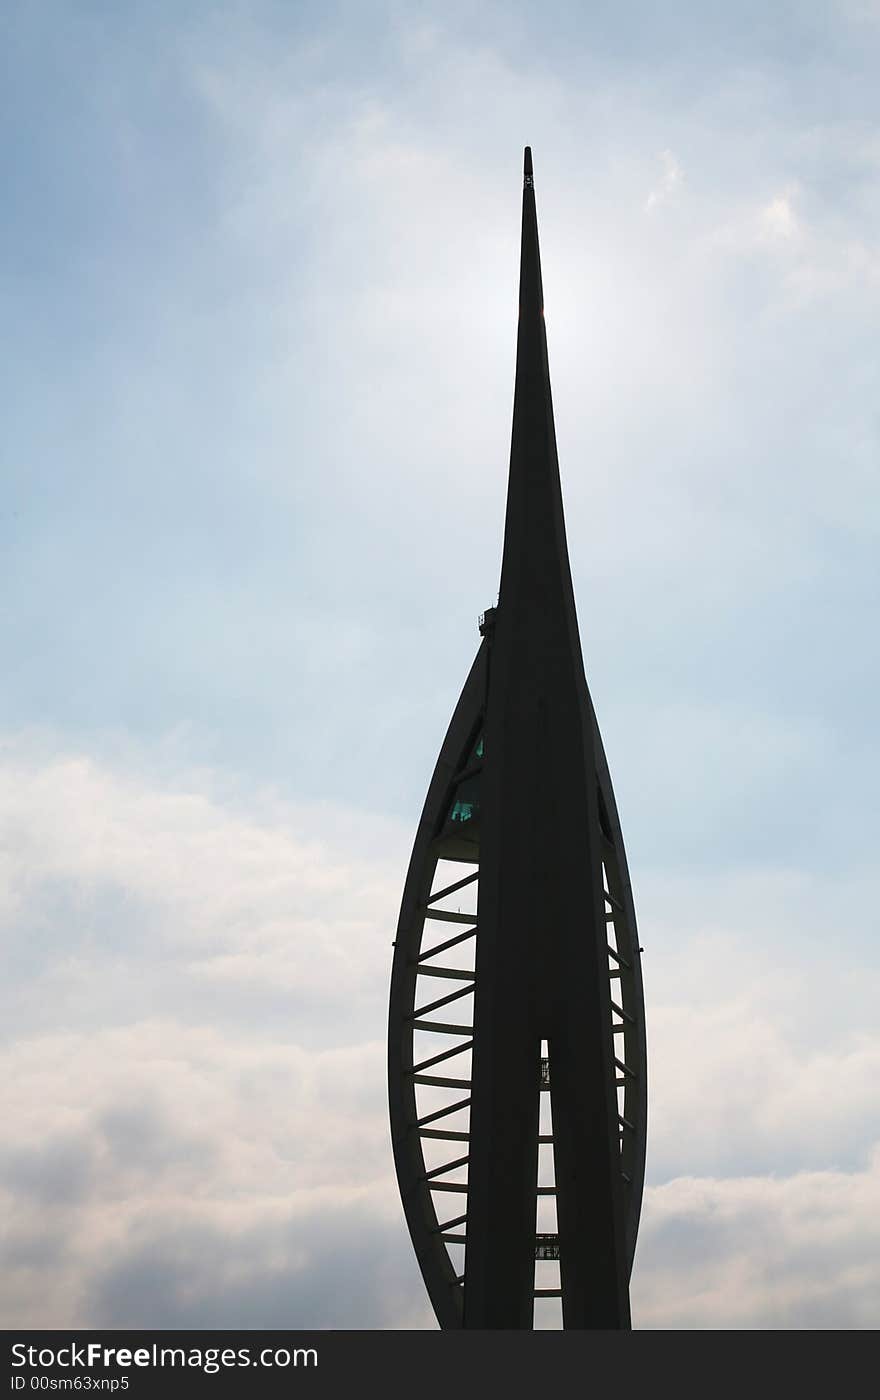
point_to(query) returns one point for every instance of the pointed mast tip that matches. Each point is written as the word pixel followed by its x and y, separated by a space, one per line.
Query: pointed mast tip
pixel 528 175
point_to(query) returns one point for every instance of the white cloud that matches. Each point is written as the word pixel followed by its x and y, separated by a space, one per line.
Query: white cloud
pixel 670 182
pixel 176 1156
pixel 801 1251
pixel 778 221
pixel 123 1139
pixel 818 258
pixel 189 886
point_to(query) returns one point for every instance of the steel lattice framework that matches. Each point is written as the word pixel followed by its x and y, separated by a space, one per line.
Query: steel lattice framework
pixel 516 1054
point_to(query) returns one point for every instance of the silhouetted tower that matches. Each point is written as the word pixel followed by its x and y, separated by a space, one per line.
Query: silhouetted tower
pixel 517 922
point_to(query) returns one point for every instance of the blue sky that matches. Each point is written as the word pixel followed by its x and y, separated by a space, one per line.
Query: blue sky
pixel 259 283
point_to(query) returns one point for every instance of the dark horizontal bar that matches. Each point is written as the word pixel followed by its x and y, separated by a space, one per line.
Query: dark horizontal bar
pixel 618 958
pixel 440 1082
pixel 437 1059
pixel 449 943
pixel 441 1001
pixel 450 889
pixel 450 1224
pixel 443 1112
pixel 455 972
pixel 447 1167
pixel 442 1027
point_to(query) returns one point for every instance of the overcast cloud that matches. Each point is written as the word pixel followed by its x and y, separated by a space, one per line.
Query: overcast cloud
pixel 259 284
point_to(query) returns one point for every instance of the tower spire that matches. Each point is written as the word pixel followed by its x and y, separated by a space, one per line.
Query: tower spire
pixel 534 533
pixel 542 964
pixel 521 798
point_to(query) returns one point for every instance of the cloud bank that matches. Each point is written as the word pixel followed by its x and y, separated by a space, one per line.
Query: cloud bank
pixel 195 1082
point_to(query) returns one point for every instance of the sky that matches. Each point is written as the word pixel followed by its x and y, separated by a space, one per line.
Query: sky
pixel 258 271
